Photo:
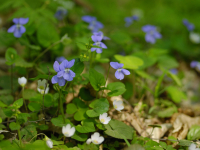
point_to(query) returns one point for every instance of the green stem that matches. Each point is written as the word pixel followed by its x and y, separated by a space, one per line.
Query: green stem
pixel 11 80
pixel 61 106
pixel 24 99
pixel 19 135
pixel 41 54
pixel 91 58
pixel 106 79
pixel 36 136
pixel 65 86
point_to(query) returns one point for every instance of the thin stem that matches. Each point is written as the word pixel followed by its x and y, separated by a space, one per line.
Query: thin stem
pixel 128 144
pixel 65 86
pixel 91 58
pixel 19 135
pixel 36 136
pixel 41 54
pixel 106 79
pixel 11 80
pixel 24 99
pixel 61 106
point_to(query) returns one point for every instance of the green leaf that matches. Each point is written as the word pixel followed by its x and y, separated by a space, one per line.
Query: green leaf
pixel 47 34
pixel 99 106
pixel 41 76
pixel 78 67
pixel 185 142
pixel 144 75
pixel 48 100
pixel 18 103
pixel 59 121
pixel 129 90
pixel 86 126
pixel 23 117
pixel 130 62
pixel 120 37
pixel 163 144
pixel 135 147
pixel 34 106
pixel 38 144
pixel 118 129
pixel 80 137
pixel 176 95
pixel 0 120
pixel 71 108
pixel 11 56
pixel 194 133
pixel 155 126
pixel 14 126
pixel 20 62
pixel 85 94
pixel 175 78
pixel 8 112
pixel 7 99
pixel 167 62
pixel 2 104
pixel 96 79
pixel 43 127
pixel 28 94
pixel 167 112
pixel 28 132
pixel 117 88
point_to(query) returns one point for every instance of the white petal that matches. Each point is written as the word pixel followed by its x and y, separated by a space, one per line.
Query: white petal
pixel 72 131
pixel 95 136
pixel 89 141
pixel 47 90
pixel 101 139
pixel 49 143
pixel 22 81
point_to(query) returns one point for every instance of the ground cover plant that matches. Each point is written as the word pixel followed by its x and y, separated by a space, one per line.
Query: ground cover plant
pixel 97 75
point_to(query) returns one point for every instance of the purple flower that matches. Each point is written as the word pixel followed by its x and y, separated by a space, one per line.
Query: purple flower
pixel 193 64
pixel 151 33
pixel 189 25
pixel 119 74
pixel 94 25
pixel 60 59
pixel 60 13
pixel 55 79
pixel 97 39
pixel 174 71
pixel 17 28
pixel 129 20
pixel 65 71
pixel 101 34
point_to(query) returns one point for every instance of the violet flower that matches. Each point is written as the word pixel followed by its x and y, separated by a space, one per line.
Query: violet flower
pixel 174 71
pixel 189 25
pixel 119 74
pixel 151 33
pixel 60 59
pixel 94 25
pixel 60 13
pixel 97 39
pixel 55 79
pixel 65 71
pixel 101 34
pixel 130 20
pixel 18 29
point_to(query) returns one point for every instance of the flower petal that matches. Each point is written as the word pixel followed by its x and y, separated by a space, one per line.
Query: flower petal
pixel 62 65
pixel 126 72
pixel 66 76
pixel 69 64
pixel 88 19
pixel 115 65
pixel 119 75
pixel 56 66
pixel 23 20
pixel 149 38
pixel 93 49
pixel 12 28
pixel 54 79
pixel 102 45
pixel 98 50
pixel 72 73
pixel 61 81
pixel 17 34
pixel 61 73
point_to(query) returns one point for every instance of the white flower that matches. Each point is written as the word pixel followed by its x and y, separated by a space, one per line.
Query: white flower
pixel 95 138
pixel 49 142
pixel 104 118
pixel 194 37
pixel 193 147
pixel 68 131
pixel 89 141
pixel 41 86
pixel 22 81
pixel 118 105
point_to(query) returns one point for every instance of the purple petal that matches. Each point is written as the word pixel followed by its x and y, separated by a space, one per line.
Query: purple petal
pixel 12 28
pixel 17 33
pixel 148 28
pixel 193 64
pixel 61 81
pixel 135 17
pixel 60 59
pixel 124 71
pixel 56 66
pixel 98 50
pixel 54 79
pixel 119 75
pixel 62 65
pixel 70 78
pixel 102 45
pixel 157 35
pixel 94 38
pixel 88 19
pixel 93 49
pixel 72 73
pixel 16 20
pixel 149 38
pixel 99 25
pixel 115 65
pixel 66 76
pixel 69 64
pixel 106 38
pixel 60 73
pixel 22 29
pixel 23 20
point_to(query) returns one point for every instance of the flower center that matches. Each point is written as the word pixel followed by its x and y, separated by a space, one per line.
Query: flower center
pixel 102 120
pixel 95 141
pixel 18 26
pixel 98 44
pixel 42 92
pixel 66 133
pixel 119 70
pixel 41 87
pixel 115 106
pixel 22 84
pixel 67 70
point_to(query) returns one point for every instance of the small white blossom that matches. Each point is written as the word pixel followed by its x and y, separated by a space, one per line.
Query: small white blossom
pixel 49 142
pixel 22 81
pixel 68 131
pixel 194 37
pixel 89 141
pixel 41 86
pixel 95 138
pixel 104 118
pixel 193 147
pixel 118 105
